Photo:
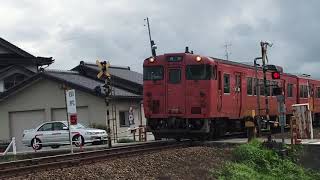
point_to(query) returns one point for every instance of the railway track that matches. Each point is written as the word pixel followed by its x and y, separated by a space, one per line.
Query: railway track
pixel 28 166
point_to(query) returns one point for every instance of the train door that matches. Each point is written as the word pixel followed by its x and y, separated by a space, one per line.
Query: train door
pixel 238 93
pixel 311 96
pixel 175 91
pixel 227 97
pixel 219 100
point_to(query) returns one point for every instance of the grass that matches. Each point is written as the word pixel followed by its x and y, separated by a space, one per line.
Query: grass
pixel 254 161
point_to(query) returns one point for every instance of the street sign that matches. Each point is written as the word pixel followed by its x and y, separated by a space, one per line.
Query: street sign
pixel 71 112
pixel 71 101
pixel 73 119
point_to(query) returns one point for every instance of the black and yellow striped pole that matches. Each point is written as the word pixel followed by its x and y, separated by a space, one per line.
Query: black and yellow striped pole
pixel 104 72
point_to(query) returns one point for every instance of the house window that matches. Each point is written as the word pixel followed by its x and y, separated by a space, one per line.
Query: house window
pixel 124 118
pixel 290 90
pixel 249 86
pixel 226 83
pixel 13 80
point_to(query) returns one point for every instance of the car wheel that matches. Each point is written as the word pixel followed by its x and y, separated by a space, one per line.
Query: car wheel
pixel 36 144
pixel 78 140
pixel 55 147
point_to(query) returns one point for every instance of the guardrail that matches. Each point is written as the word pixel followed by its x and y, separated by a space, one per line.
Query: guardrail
pixel 13 145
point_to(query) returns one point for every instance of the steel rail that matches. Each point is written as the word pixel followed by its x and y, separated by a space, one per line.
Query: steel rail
pixel 24 167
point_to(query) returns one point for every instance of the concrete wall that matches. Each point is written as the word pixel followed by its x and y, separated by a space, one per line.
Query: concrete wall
pixel 310 157
pixel 48 95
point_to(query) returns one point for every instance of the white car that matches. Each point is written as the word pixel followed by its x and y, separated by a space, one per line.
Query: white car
pixel 56 134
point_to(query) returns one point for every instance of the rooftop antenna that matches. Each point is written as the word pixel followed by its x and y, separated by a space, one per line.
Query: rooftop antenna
pixel 227 53
pixel 152 44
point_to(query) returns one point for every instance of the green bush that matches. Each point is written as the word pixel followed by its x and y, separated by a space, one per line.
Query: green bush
pixel 253 161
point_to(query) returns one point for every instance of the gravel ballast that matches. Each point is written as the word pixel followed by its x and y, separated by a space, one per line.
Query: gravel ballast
pixel 183 163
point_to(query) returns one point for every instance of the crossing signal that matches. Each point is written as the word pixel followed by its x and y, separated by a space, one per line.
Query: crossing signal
pixel 275 75
pixel 104 69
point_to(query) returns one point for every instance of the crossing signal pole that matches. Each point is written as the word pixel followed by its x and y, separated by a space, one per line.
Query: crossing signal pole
pixel 104 72
pixel 264 56
pixel 152 43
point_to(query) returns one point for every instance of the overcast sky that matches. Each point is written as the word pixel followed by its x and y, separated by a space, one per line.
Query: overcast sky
pixel 75 30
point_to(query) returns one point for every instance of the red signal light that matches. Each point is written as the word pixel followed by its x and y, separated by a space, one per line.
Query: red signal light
pixel 275 75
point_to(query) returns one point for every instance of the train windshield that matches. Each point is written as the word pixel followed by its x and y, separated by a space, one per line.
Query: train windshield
pixel 153 73
pixel 199 72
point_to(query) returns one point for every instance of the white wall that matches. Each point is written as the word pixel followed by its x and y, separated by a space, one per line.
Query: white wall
pixel 1 86
pixel 48 95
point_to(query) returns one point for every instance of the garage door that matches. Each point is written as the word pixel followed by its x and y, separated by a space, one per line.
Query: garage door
pixel 24 120
pixel 60 114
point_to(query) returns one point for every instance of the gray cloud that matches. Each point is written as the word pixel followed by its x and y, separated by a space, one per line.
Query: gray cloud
pixel 71 31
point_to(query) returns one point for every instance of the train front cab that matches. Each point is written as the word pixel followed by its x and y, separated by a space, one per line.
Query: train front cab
pixel 178 95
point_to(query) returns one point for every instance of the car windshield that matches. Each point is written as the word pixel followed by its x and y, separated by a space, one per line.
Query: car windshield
pixel 77 126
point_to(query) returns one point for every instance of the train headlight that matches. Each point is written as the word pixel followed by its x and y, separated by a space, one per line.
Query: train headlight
pixel 198 58
pixel 151 59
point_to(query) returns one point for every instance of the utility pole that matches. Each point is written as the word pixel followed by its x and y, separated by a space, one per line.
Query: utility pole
pixel 264 46
pixel 152 44
pixel 257 85
pixel 226 46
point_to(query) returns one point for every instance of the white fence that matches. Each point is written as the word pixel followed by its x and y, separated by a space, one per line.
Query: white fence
pixel 13 145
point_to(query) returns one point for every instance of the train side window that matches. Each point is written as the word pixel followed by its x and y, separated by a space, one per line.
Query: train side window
pixel 255 86
pixel 214 72
pixel 219 80
pixel 261 85
pixel 318 92
pixel 249 86
pixel 303 91
pixel 290 90
pixel 268 88
pixel 274 84
pixel 174 76
pixel 226 83
pixel 238 83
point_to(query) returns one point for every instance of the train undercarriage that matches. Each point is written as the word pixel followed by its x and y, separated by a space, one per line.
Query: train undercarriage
pixel 206 129
pixel 197 129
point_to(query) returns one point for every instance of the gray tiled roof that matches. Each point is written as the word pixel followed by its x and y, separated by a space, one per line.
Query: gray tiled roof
pixel 121 72
pixel 90 84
